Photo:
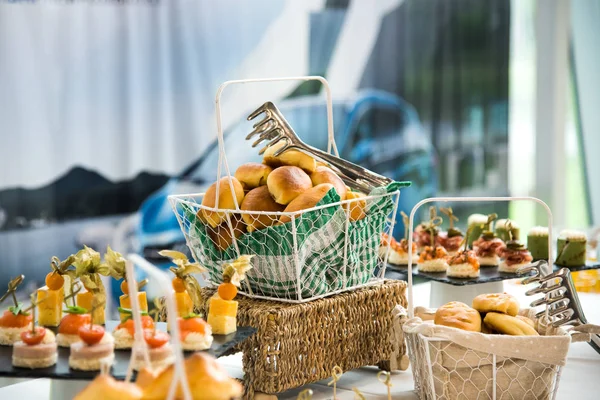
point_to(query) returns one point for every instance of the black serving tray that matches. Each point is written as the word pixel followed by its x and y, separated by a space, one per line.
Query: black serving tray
pixel 486 274
pixel 221 345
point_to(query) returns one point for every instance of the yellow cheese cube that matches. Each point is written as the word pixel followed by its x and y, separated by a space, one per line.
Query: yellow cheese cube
pixel 50 306
pixel 85 300
pixel 222 325
pixel 227 308
pixel 125 302
pixel 185 306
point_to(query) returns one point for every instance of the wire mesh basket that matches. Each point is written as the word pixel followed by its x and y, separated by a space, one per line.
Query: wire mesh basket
pixel 298 256
pixel 449 363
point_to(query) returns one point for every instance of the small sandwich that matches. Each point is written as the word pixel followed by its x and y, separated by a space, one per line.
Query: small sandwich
pixel 160 351
pixel 68 330
pixel 13 322
pixel 398 254
pixel 123 333
pixel 95 349
pixel 422 236
pixel 433 259
pixel 195 333
pixel 453 239
pixel 488 246
pixel 463 265
pixel 514 256
pixel 37 349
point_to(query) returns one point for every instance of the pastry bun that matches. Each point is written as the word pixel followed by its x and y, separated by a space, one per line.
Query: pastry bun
pixel 458 315
pixel 206 379
pixel 287 183
pixel 308 199
pixel 260 199
pixel 528 321
pixel 496 302
pixel 226 199
pixel 252 175
pixel 221 235
pixel 327 175
pixel 105 387
pixel 357 208
pixel 289 157
pixel 508 325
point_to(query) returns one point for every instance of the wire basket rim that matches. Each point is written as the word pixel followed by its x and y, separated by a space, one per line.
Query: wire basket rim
pixel 180 199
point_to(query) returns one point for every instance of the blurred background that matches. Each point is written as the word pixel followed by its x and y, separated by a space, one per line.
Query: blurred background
pixel 106 108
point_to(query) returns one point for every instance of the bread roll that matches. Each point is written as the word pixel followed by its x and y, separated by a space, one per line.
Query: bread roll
pixel 458 315
pixel 508 325
pixel 308 199
pixel 221 235
pixel 327 175
pixel 252 175
pixel 206 378
pixel 287 183
pixel 528 321
pixel 496 302
pixel 290 157
pixel 357 208
pixel 105 387
pixel 260 199
pixel 226 199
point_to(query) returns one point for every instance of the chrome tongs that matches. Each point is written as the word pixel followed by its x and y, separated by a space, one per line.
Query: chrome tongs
pixel 274 129
pixel 560 297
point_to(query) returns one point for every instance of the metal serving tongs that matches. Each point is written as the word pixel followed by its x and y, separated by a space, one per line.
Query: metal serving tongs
pixel 560 297
pixel 274 129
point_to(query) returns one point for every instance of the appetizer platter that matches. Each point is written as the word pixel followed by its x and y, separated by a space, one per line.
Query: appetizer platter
pixel 490 251
pixel 58 337
pixel 221 345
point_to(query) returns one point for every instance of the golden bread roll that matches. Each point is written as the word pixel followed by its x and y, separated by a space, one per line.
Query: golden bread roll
pixel 308 199
pixel 357 208
pixel 458 315
pixel 486 329
pixel 496 302
pixel 528 321
pixel 287 183
pixel 206 378
pixel 105 387
pixel 293 158
pixel 221 235
pixel 327 175
pixel 260 199
pixel 200 216
pixel 508 325
pixel 146 376
pixel 252 175
pixel 226 199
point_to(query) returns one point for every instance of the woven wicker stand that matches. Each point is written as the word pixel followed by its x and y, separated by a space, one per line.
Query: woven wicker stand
pixel 297 344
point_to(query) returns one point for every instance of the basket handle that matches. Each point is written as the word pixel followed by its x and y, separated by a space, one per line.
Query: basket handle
pixel 165 284
pixel 223 158
pixel 411 306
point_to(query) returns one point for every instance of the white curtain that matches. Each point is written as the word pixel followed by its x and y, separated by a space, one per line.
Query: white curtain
pixel 122 88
